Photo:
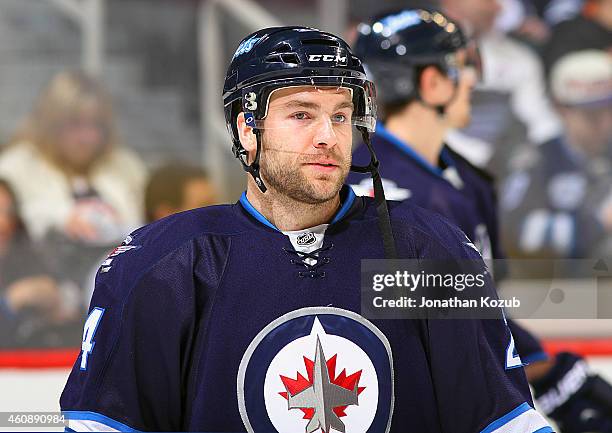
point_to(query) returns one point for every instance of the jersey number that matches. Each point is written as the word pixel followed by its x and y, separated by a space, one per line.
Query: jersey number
pixel 513 360
pixel 91 325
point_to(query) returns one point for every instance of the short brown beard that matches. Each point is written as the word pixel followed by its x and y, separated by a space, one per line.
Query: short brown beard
pixel 289 180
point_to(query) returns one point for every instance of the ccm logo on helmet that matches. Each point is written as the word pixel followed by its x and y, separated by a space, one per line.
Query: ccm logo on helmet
pixel 326 58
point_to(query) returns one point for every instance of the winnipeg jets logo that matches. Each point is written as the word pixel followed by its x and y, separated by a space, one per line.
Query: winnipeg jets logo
pixel 246 46
pixel 310 379
pixel 306 239
pixel 322 398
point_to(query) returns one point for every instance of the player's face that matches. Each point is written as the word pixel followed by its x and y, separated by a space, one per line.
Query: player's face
pixel 306 145
pixel 458 113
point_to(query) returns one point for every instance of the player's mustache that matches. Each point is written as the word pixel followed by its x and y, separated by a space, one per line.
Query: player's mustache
pixel 307 157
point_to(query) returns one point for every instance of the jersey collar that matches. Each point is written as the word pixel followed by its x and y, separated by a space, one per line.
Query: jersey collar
pixel 347 195
pixel 406 149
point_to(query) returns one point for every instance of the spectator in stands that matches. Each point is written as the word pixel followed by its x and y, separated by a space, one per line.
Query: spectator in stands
pixel 591 29
pixel 69 172
pixel 559 203
pixel 177 187
pixel 31 310
pixel 512 96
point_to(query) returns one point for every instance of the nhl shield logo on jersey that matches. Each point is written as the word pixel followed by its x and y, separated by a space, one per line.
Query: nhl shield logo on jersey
pixel 317 370
pixel 306 239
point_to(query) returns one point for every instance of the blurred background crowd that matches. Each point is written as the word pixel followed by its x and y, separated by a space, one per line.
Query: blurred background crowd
pixel 111 117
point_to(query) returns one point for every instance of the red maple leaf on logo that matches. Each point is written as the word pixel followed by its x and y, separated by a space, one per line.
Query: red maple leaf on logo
pixel 300 383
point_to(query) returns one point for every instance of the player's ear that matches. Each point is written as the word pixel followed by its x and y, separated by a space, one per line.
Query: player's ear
pixel 245 133
pixel 433 86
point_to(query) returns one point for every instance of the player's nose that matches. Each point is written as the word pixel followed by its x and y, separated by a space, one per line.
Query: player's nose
pixel 325 135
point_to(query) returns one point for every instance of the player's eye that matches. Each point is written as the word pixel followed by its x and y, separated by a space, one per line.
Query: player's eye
pixel 339 118
pixel 300 116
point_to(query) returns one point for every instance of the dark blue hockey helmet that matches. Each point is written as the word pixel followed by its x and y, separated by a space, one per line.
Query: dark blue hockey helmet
pixel 395 46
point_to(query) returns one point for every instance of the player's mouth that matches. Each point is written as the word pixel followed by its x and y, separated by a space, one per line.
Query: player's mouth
pixel 325 165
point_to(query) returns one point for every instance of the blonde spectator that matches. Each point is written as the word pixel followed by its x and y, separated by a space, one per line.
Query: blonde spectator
pixel 68 169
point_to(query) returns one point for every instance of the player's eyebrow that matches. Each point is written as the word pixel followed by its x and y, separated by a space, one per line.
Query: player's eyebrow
pixel 301 104
pixel 345 104
pixel 313 105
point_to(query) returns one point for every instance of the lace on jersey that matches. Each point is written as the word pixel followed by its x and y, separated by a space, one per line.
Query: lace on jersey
pixel 312 270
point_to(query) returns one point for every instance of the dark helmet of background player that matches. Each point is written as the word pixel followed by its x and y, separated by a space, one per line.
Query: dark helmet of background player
pixel 397 46
pixel 280 57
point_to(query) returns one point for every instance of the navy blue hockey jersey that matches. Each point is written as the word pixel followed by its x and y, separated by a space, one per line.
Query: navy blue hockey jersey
pixel 209 320
pixel 454 189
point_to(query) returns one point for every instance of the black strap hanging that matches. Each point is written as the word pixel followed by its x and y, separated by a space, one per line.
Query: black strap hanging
pixel 384 220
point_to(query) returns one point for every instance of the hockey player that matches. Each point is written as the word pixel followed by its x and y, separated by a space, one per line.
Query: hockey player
pixel 427 69
pixel 246 316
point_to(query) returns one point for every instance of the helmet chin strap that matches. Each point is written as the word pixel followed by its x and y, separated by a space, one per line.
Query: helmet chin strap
pixel 384 221
pixel 253 168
